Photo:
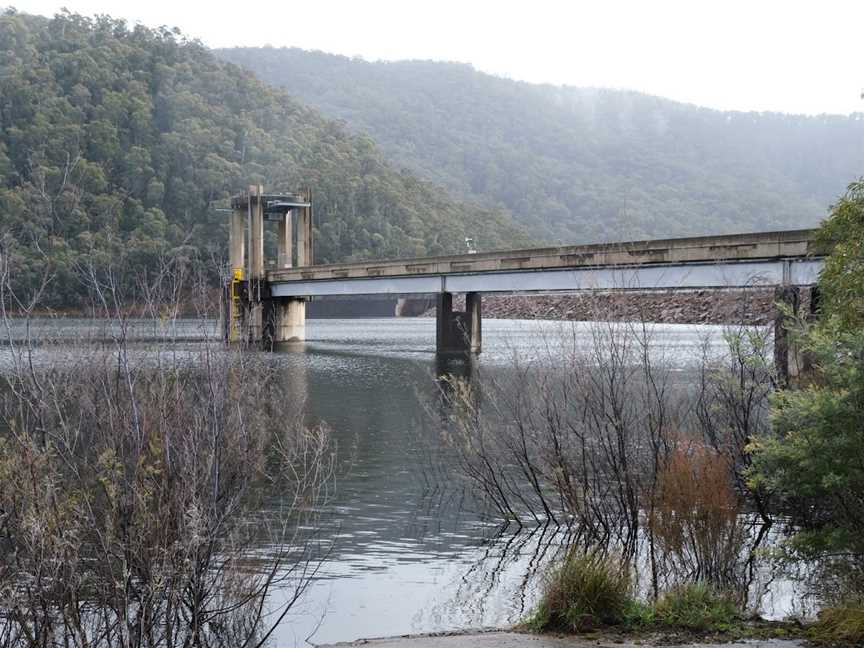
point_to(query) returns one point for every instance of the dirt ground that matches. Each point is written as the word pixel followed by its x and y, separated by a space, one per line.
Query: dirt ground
pixel 519 640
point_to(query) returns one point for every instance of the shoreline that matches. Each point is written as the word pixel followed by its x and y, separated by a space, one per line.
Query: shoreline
pixel 513 638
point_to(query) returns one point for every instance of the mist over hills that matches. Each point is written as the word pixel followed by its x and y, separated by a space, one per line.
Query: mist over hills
pixel 575 164
pixel 118 143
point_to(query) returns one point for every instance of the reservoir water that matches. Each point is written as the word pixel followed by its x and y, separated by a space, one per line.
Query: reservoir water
pixel 414 551
pixel 410 549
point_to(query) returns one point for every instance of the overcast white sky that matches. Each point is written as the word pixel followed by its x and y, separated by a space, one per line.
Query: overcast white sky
pixel 788 56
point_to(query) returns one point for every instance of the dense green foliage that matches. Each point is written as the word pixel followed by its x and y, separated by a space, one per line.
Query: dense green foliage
pixel 842 279
pixel 119 142
pixel 581 164
pixel 814 459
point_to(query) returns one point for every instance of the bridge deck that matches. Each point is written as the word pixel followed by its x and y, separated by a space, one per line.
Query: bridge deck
pixel 766 258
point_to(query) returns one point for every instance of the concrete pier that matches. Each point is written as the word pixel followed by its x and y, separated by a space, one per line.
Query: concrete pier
pixel 290 321
pixel 236 242
pixel 291 313
pixel 785 356
pixel 285 250
pixel 304 234
pixel 457 333
pixel 233 310
pixel 790 360
pixel 256 233
pixel 473 303
pixel 255 274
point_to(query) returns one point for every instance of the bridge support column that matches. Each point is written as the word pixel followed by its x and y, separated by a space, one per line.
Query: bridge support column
pixel 232 313
pixel 236 242
pixel 787 358
pixel 304 233
pixel 255 258
pixel 807 359
pixel 456 332
pixel 290 321
pixel 473 303
pixel 285 251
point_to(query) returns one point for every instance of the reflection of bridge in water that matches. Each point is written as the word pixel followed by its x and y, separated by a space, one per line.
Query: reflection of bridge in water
pixel 268 305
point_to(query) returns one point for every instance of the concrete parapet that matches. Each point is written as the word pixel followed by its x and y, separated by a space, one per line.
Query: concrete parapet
pixel 708 249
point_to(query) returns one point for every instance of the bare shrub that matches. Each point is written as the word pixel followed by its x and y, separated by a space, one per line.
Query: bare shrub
pixel 599 430
pixel 578 445
pixel 130 478
pixel 732 403
pixel 696 516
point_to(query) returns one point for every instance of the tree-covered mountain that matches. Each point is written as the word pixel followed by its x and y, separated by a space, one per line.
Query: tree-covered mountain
pixel 581 164
pixel 121 142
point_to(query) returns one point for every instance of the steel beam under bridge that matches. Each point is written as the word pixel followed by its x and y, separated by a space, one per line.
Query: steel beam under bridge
pixel 685 275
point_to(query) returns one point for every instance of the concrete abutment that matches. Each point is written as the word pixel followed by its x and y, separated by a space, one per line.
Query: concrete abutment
pixel 252 314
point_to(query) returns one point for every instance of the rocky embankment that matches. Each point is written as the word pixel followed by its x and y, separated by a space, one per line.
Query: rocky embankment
pixel 750 306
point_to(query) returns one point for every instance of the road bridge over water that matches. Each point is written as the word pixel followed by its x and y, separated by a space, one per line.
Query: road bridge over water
pixel 267 303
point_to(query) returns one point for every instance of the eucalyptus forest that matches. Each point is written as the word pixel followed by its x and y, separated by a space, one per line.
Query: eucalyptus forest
pixel 121 142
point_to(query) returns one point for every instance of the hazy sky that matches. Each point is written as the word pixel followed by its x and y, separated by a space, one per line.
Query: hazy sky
pixel 786 55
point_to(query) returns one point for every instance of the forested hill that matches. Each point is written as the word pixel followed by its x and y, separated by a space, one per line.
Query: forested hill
pixel 581 164
pixel 120 142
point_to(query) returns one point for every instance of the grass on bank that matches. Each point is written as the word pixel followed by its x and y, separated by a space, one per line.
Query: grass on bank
pixel 585 593
pixel 699 607
pixel 841 623
pixel 589 592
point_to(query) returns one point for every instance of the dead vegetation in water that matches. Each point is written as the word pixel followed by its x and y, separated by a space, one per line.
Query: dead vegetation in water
pixel 695 516
pixel 601 432
pixel 131 482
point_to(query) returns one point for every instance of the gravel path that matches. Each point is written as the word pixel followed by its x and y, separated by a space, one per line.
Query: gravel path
pixel 517 640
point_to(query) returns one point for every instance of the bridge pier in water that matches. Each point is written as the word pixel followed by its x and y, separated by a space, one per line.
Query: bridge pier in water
pixel 789 360
pixel 290 325
pixel 458 333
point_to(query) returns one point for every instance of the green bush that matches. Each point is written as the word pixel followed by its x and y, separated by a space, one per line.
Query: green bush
pixel 639 615
pixel 697 606
pixel 586 592
pixel 812 460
